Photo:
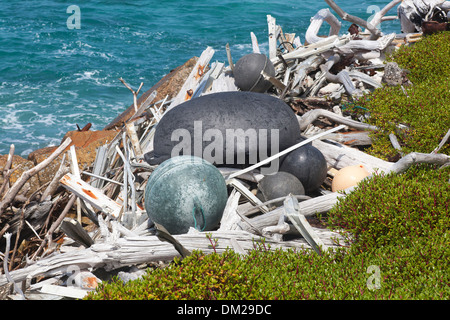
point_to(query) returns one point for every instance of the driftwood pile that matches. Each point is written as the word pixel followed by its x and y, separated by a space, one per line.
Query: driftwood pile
pixel 313 79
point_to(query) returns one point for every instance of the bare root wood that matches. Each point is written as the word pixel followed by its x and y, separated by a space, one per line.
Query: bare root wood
pixel 135 93
pixel 376 33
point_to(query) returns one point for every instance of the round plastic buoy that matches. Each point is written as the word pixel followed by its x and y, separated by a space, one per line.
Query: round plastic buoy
pixel 308 164
pixel 280 185
pixel 247 72
pixel 348 177
pixel 184 192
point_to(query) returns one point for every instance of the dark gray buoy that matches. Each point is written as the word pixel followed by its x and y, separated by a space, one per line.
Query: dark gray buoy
pixel 278 185
pixel 247 72
pixel 308 164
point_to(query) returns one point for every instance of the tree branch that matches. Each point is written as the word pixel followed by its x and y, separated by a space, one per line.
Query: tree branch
pixel 347 17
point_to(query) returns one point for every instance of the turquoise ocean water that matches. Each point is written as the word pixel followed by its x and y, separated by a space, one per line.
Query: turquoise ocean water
pixel 53 77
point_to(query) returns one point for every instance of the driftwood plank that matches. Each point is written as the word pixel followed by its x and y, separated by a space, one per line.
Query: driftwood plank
pixel 90 194
pixel 193 80
pixel 291 209
pixel 271 23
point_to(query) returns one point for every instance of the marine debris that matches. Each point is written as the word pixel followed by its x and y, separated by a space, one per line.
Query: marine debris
pixel 88 217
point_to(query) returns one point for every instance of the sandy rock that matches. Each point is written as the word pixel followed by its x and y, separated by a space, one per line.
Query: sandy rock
pixel 394 75
pixel 86 144
pixel 22 165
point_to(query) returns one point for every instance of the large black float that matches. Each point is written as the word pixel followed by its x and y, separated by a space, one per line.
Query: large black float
pixel 232 129
pixel 279 185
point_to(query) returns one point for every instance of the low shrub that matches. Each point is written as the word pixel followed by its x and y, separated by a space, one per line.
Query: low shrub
pixel 387 209
pixel 423 108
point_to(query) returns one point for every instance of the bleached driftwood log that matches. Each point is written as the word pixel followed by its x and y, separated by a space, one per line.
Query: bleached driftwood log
pixel 317 21
pixel 339 156
pixel 404 163
pixel 130 251
pixel 193 80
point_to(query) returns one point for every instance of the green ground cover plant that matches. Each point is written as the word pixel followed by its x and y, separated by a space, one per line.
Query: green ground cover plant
pixel 422 107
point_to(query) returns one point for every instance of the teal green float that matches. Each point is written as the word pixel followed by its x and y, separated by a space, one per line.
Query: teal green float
pixel 184 192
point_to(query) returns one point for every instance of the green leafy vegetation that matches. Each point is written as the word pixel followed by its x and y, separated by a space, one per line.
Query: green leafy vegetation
pixel 422 107
pixel 385 210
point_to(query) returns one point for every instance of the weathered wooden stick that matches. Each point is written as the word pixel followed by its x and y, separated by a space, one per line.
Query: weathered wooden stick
pixel 144 105
pixel 135 93
pixel 54 184
pixel 229 57
pixel 378 17
pixel 188 88
pixel 312 115
pixel 5 266
pixel 306 66
pixel 90 194
pixel 255 45
pixel 29 173
pixel 404 163
pixel 6 170
pixel 55 225
pixel 395 143
pixel 441 144
pixel 314 49
pixel 291 209
pixel 339 156
pixel 272 29
pixel 131 132
pixel 344 78
pixel 351 138
pixel 311 207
